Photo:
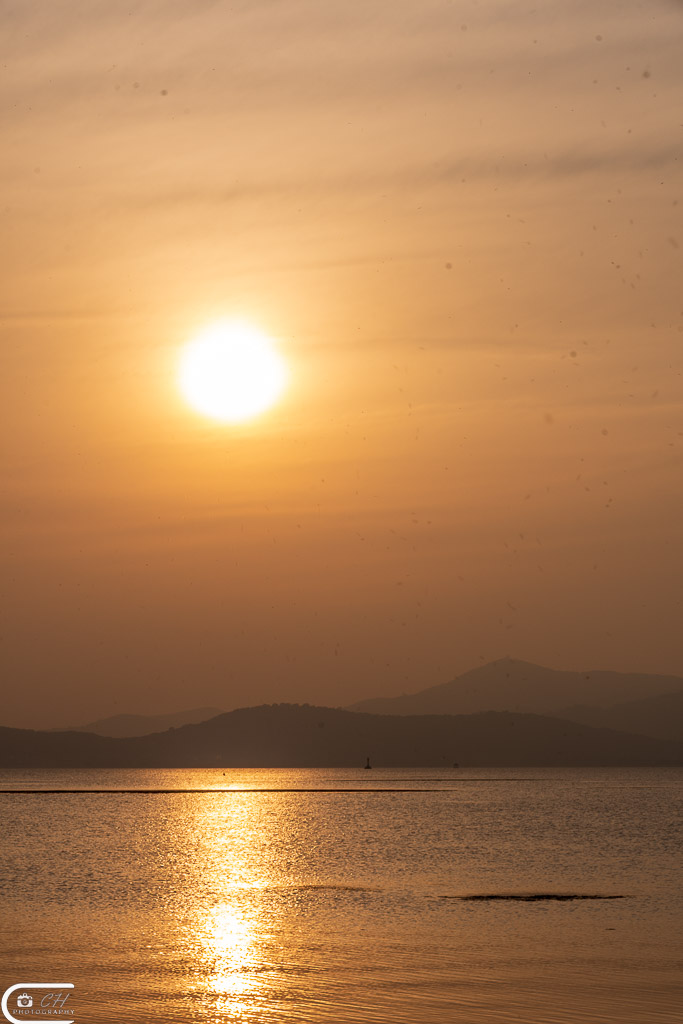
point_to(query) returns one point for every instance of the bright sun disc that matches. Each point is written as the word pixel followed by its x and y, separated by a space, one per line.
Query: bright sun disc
pixel 231 372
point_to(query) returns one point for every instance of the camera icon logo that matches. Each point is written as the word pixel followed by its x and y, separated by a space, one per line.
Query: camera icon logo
pixel 24 1000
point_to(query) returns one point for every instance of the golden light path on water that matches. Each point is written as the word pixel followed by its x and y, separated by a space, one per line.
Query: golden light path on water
pixel 230 946
pixel 227 933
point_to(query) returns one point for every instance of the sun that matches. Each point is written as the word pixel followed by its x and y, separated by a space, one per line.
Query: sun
pixel 231 372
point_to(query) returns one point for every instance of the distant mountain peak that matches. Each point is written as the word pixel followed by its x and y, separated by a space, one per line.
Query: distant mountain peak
pixel 141 725
pixel 511 684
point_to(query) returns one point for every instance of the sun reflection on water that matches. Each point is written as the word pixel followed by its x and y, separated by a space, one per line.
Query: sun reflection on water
pixel 230 950
pixel 233 930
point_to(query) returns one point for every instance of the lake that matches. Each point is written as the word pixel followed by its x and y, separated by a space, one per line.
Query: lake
pixel 541 896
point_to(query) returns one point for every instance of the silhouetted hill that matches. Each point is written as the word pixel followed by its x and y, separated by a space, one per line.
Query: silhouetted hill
pixel 289 735
pixel 660 716
pixel 143 725
pixel 510 685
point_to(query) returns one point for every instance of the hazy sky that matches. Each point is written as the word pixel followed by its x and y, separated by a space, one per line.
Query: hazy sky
pixel 462 222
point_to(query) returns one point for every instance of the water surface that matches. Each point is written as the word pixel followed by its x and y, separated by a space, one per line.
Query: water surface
pixel 343 895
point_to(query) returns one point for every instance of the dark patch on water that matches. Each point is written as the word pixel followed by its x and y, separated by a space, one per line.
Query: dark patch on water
pixel 533 897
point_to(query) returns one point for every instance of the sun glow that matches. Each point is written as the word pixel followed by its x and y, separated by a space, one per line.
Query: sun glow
pixel 231 372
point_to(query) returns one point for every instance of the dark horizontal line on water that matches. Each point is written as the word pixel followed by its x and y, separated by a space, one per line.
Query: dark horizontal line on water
pixel 532 897
pixel 471 778
pixel 244 790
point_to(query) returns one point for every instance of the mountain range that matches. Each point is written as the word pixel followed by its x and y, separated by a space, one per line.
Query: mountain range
pixel 508 712
pixel 647 704
pixel 292 735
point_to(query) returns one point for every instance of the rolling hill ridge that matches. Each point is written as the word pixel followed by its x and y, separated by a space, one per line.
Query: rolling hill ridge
pixel 292 735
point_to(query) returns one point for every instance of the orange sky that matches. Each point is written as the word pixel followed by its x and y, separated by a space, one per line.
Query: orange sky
pixel 461 221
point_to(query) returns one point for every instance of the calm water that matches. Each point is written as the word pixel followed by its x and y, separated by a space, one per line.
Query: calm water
pixel 337 895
